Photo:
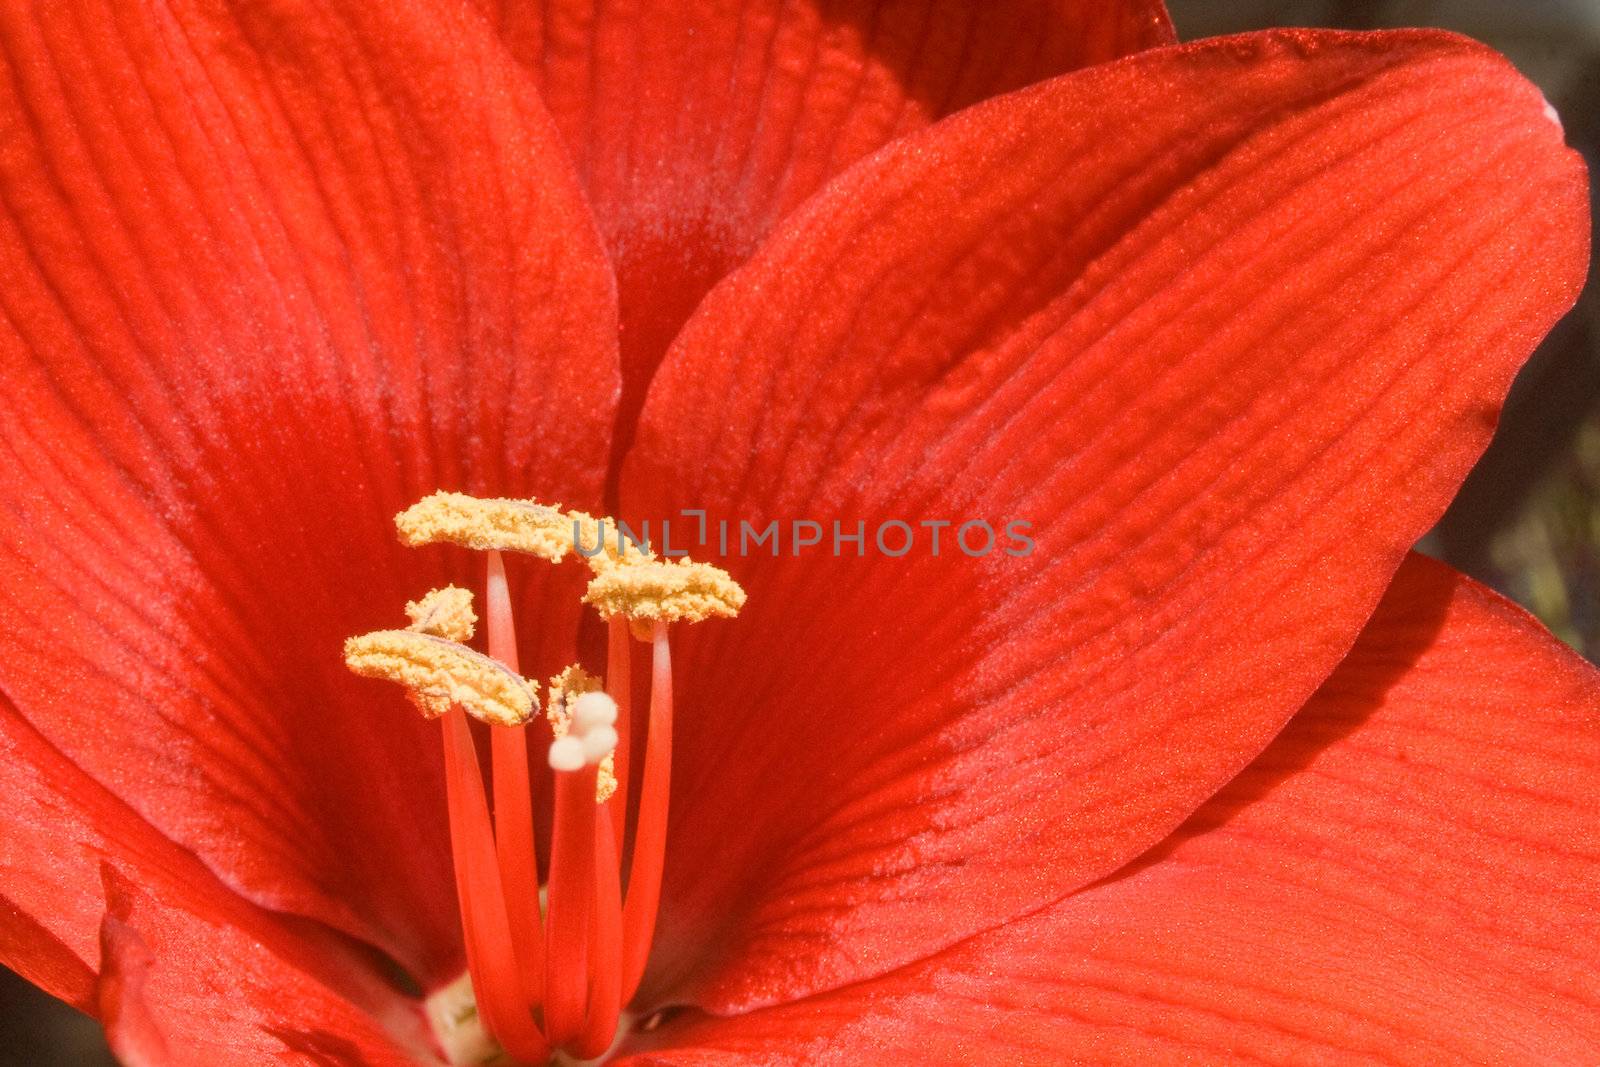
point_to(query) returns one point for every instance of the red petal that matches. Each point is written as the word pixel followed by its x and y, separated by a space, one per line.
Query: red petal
pixel 182 990
pixel 1229 359
pixel 64 832
pixel 265 282
pixel 697 124
pixel 58 826
pixel 29 948
pixel 1410 874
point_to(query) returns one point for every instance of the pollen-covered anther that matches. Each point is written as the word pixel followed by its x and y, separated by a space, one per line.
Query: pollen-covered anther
pixel 485 523
pixel 606 544
pixel 506 525
pixel 564 690
pixel 445 613
pixel 665 591
pixel 440 674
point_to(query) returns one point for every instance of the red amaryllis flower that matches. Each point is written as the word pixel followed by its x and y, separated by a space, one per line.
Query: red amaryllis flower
pixel 1214 772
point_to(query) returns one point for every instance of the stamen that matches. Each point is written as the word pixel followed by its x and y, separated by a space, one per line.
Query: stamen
pixel 565 689
pixel 665 591
pixel 513 799
pixel 619 684
pixel 650 833
pixel 618 550
pixel 485 924
pixel 579 967
pixel 604 553
pixel 485 524
pixel 440 674
pixel 499 523
pixel 445 613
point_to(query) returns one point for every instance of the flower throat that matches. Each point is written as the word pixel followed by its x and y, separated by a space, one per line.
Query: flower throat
pixel 551 974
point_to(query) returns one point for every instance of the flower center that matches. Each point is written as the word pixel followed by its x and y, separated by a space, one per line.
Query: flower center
pixel 550 971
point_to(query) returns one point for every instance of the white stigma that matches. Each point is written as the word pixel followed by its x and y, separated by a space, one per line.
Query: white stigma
pixel 599 743
pixel 591 735
pixel 593 709
pixel 566 754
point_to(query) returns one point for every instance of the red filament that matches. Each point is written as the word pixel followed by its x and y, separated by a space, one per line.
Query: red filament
pixel 557 980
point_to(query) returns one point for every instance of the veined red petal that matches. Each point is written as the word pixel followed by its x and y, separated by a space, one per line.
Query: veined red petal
pixel 1225 323
pixel 697 124
pixel 59 826
pixel 1410 874
pixel 68 843
pixel 31 949
pixel 269 272
pixel 184 990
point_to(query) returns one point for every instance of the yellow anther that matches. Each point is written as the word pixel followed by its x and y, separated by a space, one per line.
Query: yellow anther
pixel 542 530
pixel 604 544
pixel 605 779
pixel 440 674
pixel 483 524
pixel 445 613
pixel 565 688
pixel 665 591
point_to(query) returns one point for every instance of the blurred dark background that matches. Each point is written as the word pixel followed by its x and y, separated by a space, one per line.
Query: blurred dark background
pixel 1528 520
